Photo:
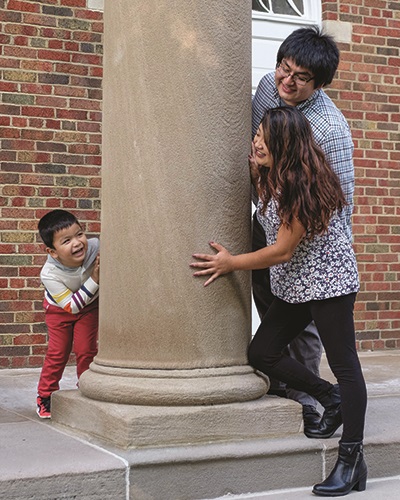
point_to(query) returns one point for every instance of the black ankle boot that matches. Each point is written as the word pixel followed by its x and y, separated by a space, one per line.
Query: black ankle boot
pixel 331 419
pixel 349 473
pixel 311 419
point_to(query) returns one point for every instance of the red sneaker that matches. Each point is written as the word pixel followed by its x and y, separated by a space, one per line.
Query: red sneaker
pixel 43 407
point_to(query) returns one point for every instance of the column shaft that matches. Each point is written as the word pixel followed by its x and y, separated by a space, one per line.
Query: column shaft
pixel 176 134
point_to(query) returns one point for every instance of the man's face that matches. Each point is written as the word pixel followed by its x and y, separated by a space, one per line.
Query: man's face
pixel 295 84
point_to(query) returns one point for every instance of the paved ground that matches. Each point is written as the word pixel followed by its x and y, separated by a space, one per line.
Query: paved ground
pixel 377 489
pixel 32 449
pixel 382 374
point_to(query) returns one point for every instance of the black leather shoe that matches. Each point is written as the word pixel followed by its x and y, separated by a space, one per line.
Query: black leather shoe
pixel 331 419
pixel 311 418
pixel 350 473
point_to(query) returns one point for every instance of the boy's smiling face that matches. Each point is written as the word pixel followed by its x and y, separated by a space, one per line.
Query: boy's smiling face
pixel 70 246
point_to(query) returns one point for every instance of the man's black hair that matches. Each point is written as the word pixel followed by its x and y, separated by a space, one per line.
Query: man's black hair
pixel 314 50
pixel 53 222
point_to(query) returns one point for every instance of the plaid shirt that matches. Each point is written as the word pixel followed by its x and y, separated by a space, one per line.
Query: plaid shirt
pixel 331 132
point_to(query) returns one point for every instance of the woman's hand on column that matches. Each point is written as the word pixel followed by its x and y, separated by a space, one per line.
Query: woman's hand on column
pixel 216 264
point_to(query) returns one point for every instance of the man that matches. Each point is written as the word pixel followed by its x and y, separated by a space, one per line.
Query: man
pixel 306 62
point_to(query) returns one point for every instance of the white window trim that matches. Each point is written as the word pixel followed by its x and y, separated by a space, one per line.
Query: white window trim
pixel 95 5
pixel 312 14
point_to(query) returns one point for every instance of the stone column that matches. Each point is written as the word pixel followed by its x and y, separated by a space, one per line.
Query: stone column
pixel 172 367
pixel 176 134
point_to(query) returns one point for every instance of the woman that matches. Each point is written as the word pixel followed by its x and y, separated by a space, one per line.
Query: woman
pixel 313 277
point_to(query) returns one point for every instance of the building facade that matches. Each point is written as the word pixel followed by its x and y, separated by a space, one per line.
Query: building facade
pixel 50 132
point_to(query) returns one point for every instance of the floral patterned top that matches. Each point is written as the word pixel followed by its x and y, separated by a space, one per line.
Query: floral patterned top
pixel 320 268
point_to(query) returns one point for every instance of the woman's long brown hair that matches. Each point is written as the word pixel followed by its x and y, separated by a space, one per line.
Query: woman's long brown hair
pixel 300 179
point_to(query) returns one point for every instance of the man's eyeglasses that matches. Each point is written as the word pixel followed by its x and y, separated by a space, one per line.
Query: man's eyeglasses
pixel 298 78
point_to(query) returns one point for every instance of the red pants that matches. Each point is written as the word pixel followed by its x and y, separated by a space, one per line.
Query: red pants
pixel 65 331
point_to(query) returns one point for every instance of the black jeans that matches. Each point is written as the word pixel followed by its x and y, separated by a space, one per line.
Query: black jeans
pixel 334 320
pixel 306 347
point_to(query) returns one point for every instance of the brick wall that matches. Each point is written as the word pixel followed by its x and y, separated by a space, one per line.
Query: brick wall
pixel 50 132
pixel 367 90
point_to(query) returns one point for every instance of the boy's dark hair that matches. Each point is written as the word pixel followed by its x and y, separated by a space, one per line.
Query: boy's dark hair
pixel 52 222
pixel 314 50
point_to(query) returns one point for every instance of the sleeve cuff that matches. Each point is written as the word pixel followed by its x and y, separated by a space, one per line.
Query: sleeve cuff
pixel 91 285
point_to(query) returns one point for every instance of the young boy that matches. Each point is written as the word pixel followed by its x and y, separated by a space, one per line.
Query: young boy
pixel 71 280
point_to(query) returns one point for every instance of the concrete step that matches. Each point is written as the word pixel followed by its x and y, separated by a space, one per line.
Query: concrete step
pixel 39 460
pixel 212 471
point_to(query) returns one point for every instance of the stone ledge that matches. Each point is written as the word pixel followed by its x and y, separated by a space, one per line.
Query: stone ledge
pixel 132 426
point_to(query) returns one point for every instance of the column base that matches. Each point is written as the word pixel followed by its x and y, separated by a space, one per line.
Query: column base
pixel 203 386
pixel 129 426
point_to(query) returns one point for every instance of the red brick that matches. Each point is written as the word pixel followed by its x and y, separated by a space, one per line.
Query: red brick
pixel 90 59
pixel 71 46
pixel 73 69
pixel 89 14
pixel 23 6
pixel 21 29
pixel 73 3
pixel 35 88
pixel 68 134
pixel 56 44
pixel 35 361
pixel 29 339
pixel 19 362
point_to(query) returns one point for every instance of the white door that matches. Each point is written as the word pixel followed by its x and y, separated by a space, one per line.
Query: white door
pixel 273 21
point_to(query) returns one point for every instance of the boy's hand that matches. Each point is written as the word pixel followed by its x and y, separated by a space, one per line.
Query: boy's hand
pixel 216 265
pixel 96 270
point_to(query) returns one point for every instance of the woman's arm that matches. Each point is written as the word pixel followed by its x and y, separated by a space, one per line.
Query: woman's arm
pixel 223 262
